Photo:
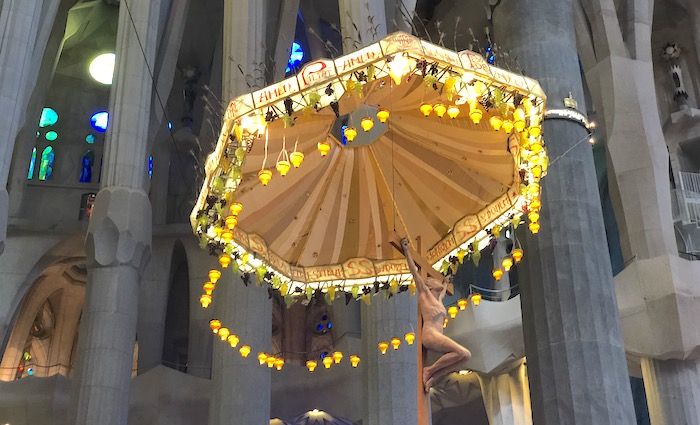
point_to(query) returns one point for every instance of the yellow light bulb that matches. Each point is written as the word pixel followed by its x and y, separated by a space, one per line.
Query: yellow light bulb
pixel 224 260
pixel 462 303
pixel 453 111
pixel 354 360
pixel 283 167
pixel 208 288
pixel 205 300
pixel 383 346
pixel 279 363
pixel 533 217
pixel 426 109
pixel 475 112
pixel 383 115
pixel 534 228
pixel 231 222
pixel 350 133
pixel 214 275
pixel 270 360
pixel 311 365
pixel 507 126
pixel 440 109
pixel 517 255
pixel 507 263
pixel 264 176
pixel 399 66
pixel 233 340
pixel 497 273
pixel 410 338
pixel 297 158
pixel 236 208
pixel 327 362
pixel 395 343
pixel 337 357
pixel 262 358
pixel 324 147
pixel 244 350
pixel 452 311
pixel 224 333
pixel 215 325
pixel 367 123
pixel 227 237
pixel 496 122
pixel 476 299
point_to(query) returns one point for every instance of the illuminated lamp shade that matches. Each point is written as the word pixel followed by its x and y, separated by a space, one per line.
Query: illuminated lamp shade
pixel 265 176
pixel 507 263
pixel 208 288
pixel 311 365
pixel 462 304
pixel 214 275
pixel 452 311
pixel 395 343
pixel 227 237
pixel 475 114
pixel 440 109
pixel 51 136
pixel 354 360
pixel 327 362
pixel 383 115
pixel 367 124
pixel 224 260
pixel 224 333
pixel 49 117
pixel 497 273
pixel 519 119
pixel 399 66
pixel 453 111
pixel 337 357
pixel 270 361
pixel 283 166
pixel 496 122
pixel 426 109
pixel 507 126
pixel 231 221
pixel 233 340
pixel 476 299
pixel 102 68
pixel 383 346
pixel 324 147
pixel 534 228
pixel 205 300
pixel 244 350
pixel 297 158
pixel 535 131
pixel 215 325
pixel 533 217
pixel 262 358
pixel 350 133
pixel 236 208
pixel 99 121
pixel 517 255
pixel 279 364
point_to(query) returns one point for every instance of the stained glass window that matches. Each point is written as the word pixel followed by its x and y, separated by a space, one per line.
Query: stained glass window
pixel 48 117
pixel 296 55
pixel 86 164
pixel 32 164
pixel 150 166
pixel 46 164
pixel 99 121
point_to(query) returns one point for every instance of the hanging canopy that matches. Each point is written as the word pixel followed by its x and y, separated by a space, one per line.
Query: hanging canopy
pixel 446 180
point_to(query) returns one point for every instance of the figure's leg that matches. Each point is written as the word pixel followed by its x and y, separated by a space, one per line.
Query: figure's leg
pixel 454 354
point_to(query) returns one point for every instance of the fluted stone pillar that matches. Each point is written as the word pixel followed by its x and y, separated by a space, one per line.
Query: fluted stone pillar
pixel 576 360
pixel 240 386
pixel 391 379
pixel 244 45
pixel 361 23
pixel 673 391
pixel 119 235
pixel 20 43
pixel 507 397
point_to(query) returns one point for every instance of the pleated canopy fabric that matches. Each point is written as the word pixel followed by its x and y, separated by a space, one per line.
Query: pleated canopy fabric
pixel 443 180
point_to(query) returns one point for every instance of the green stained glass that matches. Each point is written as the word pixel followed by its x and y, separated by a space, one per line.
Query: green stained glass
pixel 90 139
pixel 51 136
pixel 46 164
pixel 48 118
pixel 32 164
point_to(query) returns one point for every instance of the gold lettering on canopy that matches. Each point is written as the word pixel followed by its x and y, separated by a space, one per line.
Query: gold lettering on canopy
pixel 357 268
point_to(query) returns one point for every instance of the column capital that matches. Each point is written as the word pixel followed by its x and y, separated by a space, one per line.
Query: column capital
pixel 120 231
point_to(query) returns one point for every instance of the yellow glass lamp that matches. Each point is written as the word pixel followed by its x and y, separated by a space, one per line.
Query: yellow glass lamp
pixel 367 123
pixel 208 288
pixel 233 340
pixel 283 166
pixel 296 158
pixel 410 338
pixel 440 109
pixel 383 115
pixel 534 228
pixel 327 362
pixel 324 147
pixel 215 325
pixel 533 216
pixel 426 109
pixel 311 365
pixel 453 111
pixel 279 364
pixel 507 263
pixel 337 357
pixel 350 133
pixel 497 273
pixel 244 350
pixel 462 304
pixel 536 146
pixel 535 131
pixel 354 360
pixel 517 255
pixel 264 176
pixel 479 88
pixel 399 66
pixel 224 260
pixel 395 343
pixel 214 275
pixel 205 300
pixel 227 236
pixel 508 126
pixel 452 311
pixel 496 122
pixel 231 222
pixel 476 299
pixel 535 204
pixel 224 333
pixel 527 104
pixel 475 113
pixel 270 360
pixel 236 208
pixel 262 358
pixel 537 171
pixel 519 119
pixel 383 346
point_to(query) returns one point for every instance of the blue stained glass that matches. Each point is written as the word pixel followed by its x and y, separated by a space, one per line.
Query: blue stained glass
pixel 100 121
pixel 296 55
pixel 86 171
pixel 32 164
pixel 150 166
pixel 48 117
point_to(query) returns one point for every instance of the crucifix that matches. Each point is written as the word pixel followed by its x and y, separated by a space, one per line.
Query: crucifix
pixel 431 287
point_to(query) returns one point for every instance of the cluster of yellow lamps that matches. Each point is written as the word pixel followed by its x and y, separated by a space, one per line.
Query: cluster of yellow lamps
pixel 507 263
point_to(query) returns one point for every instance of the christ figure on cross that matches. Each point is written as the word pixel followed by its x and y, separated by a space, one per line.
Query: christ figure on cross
pixel 431 292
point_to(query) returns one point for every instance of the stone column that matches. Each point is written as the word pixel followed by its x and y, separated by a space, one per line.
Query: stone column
pixel 507 397
pixel 368 16
pixel 694 10
pixel 673 391
pixel 20 43
pixel 576 359
pixel 119 234
pixel 199 348
pixel 244 44
pixel 240 386
pixel 392 378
